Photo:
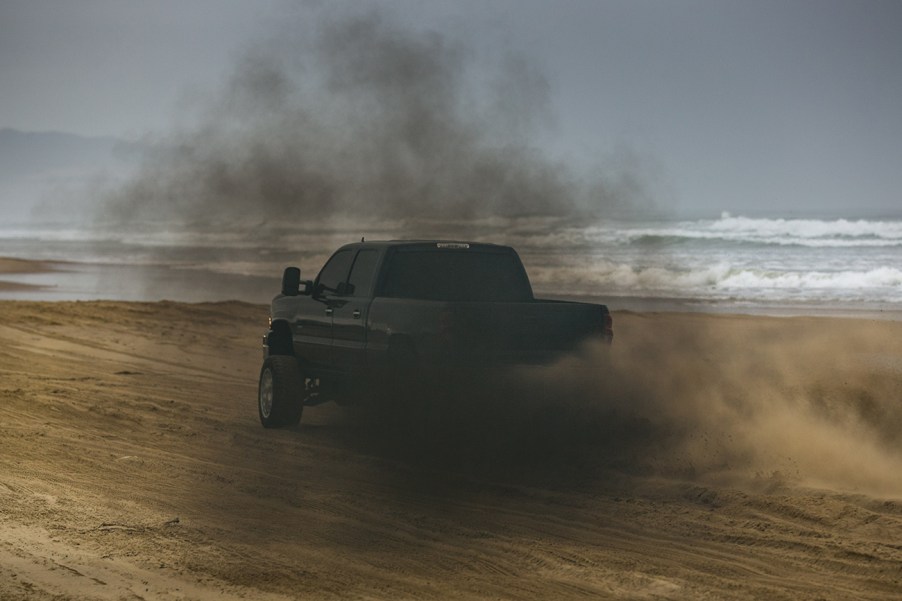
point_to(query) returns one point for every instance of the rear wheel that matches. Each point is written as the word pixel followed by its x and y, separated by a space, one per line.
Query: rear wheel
pixel 280 392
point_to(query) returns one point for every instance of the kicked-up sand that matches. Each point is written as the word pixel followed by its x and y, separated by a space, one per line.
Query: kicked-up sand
pixel 700 457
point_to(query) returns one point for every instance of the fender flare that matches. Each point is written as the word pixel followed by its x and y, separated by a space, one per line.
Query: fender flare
pixel 278 340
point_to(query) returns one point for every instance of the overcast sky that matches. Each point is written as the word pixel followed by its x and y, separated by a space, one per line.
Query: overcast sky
pixel 742 106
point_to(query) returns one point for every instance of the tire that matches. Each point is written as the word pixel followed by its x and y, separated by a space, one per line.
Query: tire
pixel 279 393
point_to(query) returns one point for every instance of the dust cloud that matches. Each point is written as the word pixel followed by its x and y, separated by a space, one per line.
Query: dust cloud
pixel 762 404
pixel 775 401
pixel 359 118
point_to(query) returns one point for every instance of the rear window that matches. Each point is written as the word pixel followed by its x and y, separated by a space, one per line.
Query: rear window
pixel 456 275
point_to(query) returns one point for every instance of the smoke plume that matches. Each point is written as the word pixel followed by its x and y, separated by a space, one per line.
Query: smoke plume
pixel 363 119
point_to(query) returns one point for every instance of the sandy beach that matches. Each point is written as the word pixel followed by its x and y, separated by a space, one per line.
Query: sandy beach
pixel 706 457
pixel 723 176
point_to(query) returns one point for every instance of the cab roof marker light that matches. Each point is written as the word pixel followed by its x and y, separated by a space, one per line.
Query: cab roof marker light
pixel 451 245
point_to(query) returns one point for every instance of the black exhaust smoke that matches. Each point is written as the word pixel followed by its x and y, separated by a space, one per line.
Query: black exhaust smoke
pixel 364 120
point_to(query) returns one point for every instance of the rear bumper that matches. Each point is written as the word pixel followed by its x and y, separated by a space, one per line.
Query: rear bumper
pixel 482 359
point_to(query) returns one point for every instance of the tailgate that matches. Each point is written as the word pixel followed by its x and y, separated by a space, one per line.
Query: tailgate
pixel 525 332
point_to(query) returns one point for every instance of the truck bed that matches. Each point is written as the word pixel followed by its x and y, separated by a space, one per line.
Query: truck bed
pixel 535 331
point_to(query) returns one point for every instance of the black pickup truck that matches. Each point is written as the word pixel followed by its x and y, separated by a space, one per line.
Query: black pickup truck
pixel 386 307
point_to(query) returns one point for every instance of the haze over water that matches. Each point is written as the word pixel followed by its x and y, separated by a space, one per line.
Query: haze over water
pixel 730 262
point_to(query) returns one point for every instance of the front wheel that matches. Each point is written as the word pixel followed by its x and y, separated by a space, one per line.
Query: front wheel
pixel 279 398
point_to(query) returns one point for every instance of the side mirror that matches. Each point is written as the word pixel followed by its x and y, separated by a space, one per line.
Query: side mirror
pixel 291 281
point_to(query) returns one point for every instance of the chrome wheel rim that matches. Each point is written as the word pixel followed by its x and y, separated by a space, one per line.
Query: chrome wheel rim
pixel 266 393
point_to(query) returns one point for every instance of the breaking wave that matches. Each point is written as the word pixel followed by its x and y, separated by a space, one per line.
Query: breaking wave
pixel 725 281
pixel 780 232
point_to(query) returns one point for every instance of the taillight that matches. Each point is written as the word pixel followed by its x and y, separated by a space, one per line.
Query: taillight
pixel 608 327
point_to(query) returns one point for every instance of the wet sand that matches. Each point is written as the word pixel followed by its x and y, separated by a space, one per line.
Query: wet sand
pixel 13 267
pixel 734 457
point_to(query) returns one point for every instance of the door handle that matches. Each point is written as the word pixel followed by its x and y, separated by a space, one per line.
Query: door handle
pixel 329 311
pixel 356 314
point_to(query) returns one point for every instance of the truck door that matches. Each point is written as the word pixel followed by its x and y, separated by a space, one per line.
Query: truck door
pixel 314 328
pixel 349 317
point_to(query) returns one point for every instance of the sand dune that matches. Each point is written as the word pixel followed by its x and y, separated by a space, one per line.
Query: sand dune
pixel 704 457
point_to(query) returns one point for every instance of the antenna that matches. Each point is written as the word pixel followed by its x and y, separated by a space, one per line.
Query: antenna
pixel 362 238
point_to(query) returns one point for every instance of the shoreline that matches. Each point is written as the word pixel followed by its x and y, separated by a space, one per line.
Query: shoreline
pixel 13 265
pixel 656 305
pixel 62 281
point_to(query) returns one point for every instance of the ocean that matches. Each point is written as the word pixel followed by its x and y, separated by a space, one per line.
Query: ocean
pixel 729 263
